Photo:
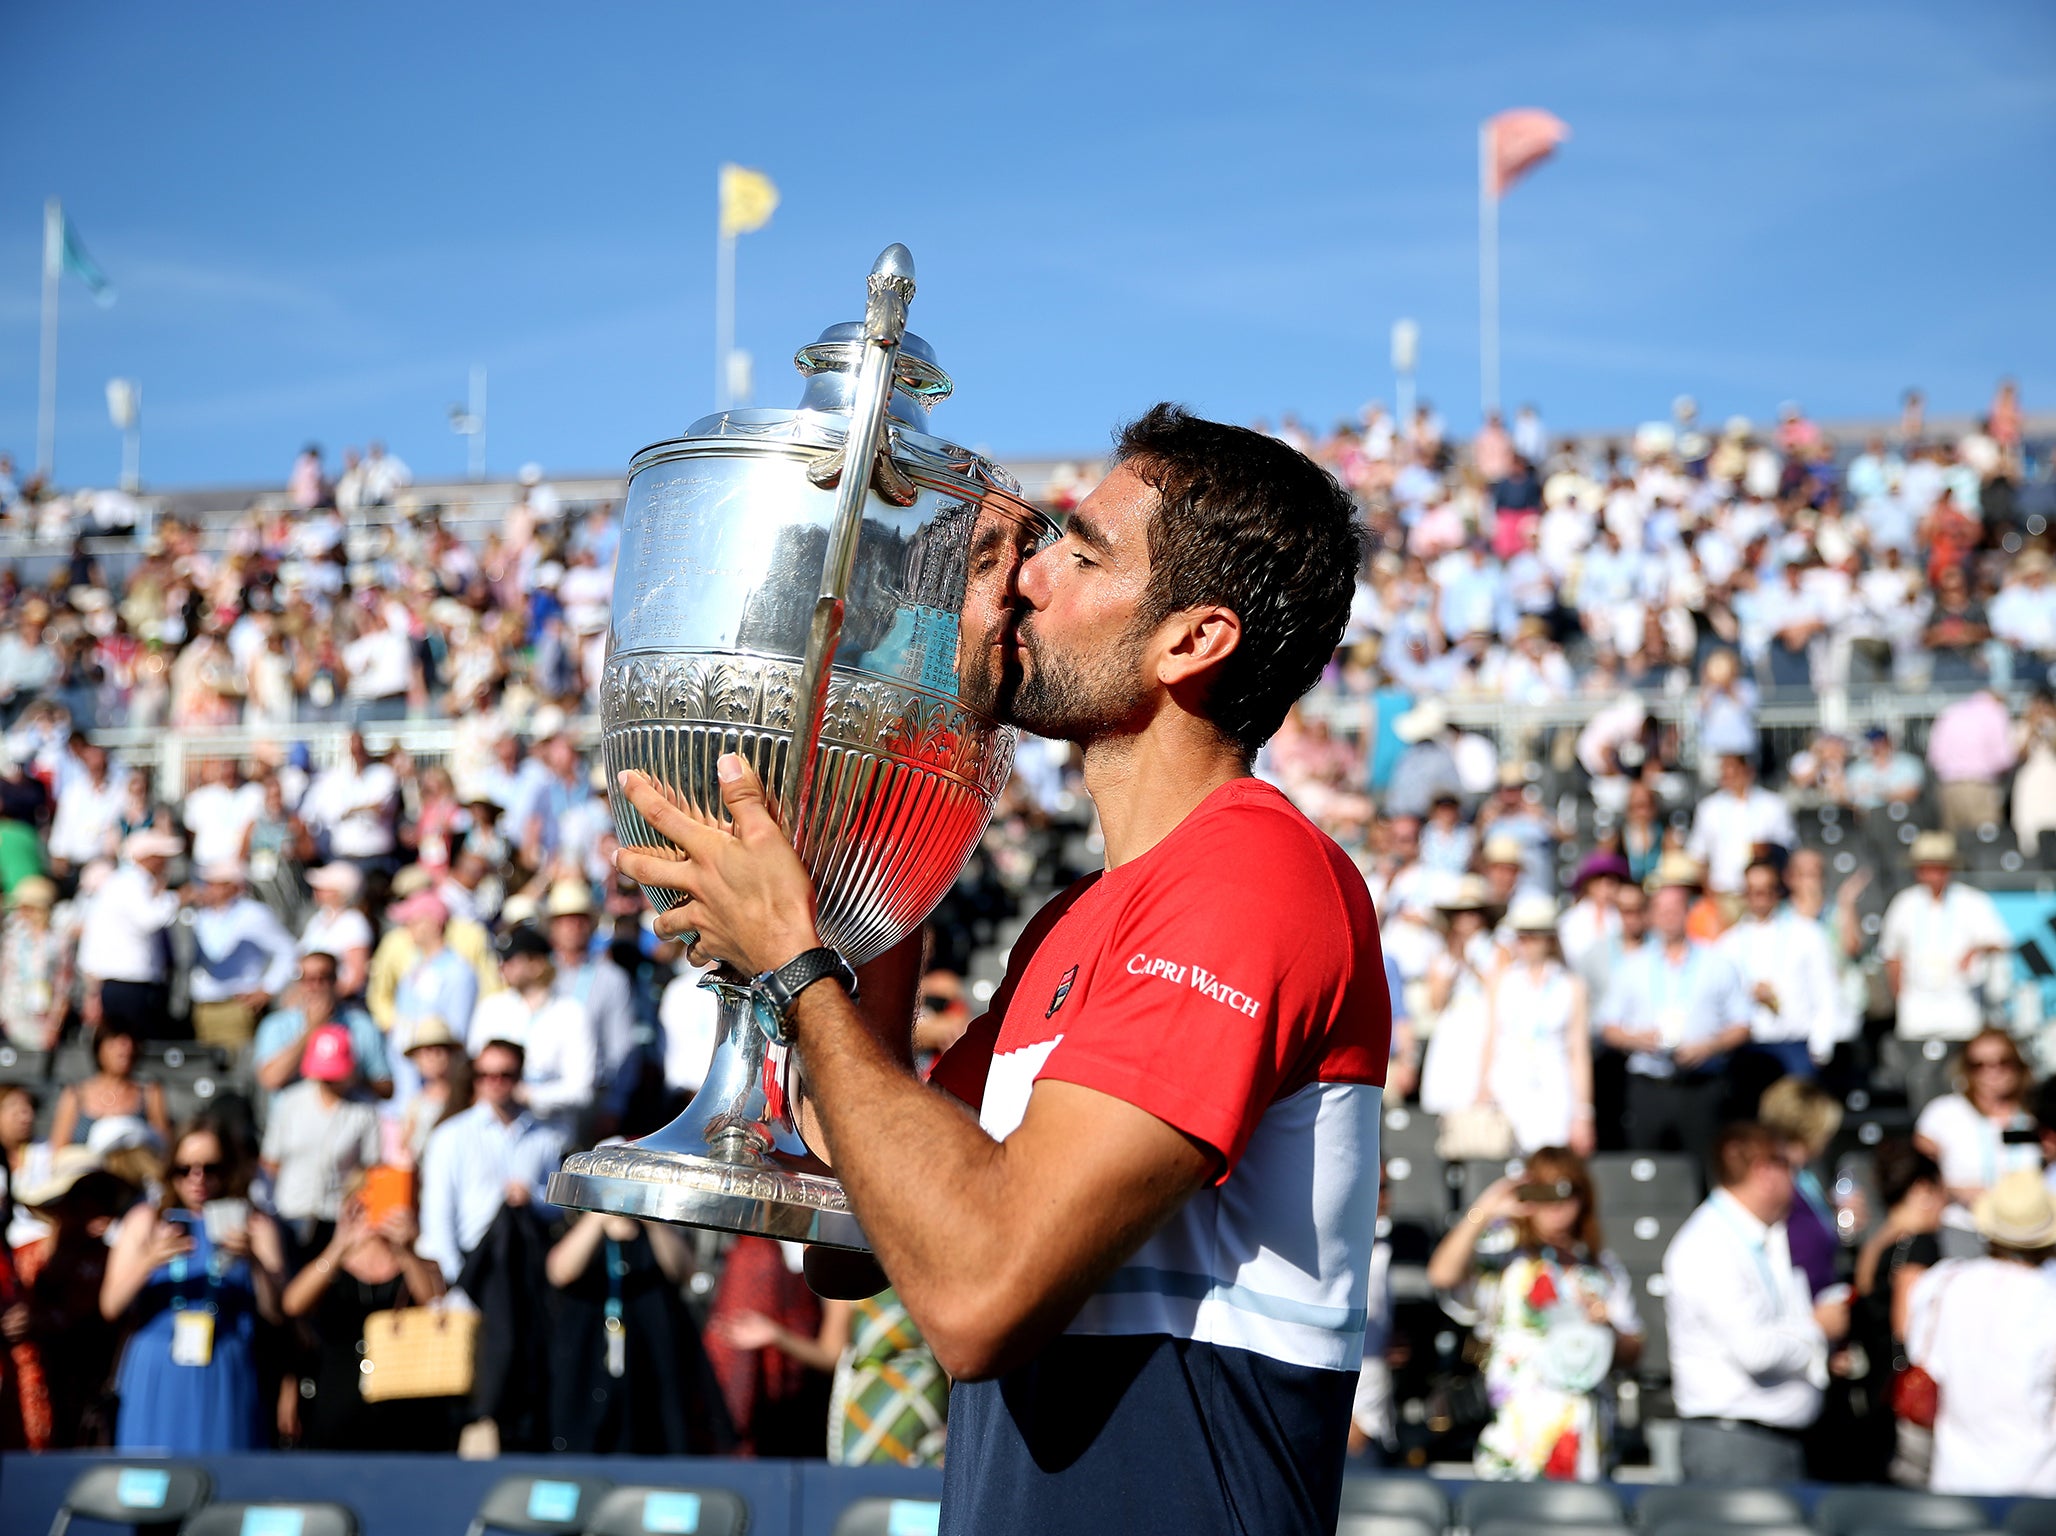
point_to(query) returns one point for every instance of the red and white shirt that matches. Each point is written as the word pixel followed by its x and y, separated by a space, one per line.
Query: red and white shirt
pixel 1229 982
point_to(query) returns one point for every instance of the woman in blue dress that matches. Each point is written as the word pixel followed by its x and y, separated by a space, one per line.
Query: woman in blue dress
pixel 188 1377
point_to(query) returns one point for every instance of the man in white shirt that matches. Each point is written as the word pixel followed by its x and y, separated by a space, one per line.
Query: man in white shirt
pixel 1749 1349
pixel 1677 1008
pixel 219 811
pixel 384 476
pixel 355 803
pixel 88 817
pixel 380 662
pixel 124 946
pixel 1985 1330
pixel 1735 823
pixel 1940 940
pixel 243 957
pixel 1796 1014
pixel 492 1155
pixel 561 1050
pixel 2024 616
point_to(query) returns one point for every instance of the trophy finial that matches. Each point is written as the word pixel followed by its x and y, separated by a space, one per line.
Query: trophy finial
pixel 895 261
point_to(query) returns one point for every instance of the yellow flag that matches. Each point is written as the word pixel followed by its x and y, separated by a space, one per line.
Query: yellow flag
pixel 748 199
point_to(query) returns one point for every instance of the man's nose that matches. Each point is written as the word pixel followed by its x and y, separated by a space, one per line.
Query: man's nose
pixel 1032 581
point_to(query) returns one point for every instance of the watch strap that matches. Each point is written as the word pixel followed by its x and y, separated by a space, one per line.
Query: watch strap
pixel 778 992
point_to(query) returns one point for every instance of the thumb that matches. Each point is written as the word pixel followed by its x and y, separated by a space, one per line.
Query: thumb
pixel 743 793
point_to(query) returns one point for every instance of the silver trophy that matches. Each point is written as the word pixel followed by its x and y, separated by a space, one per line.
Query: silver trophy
pixel 824 591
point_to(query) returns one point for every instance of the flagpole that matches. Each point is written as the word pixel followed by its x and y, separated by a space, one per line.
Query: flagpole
pixel 46 383
pixel 1488 276
pixel 724 311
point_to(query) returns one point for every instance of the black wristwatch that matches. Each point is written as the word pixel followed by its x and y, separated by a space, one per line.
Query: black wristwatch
pixel 774 994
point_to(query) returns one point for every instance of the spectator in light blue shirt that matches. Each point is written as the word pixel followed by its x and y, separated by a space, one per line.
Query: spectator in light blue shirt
pixel 243 957
pixel 492 1155
pixel 1677 1007
pixel 282 1037
pixel 441 984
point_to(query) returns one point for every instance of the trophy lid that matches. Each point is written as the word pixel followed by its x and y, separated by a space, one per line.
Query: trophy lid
pixel 829 364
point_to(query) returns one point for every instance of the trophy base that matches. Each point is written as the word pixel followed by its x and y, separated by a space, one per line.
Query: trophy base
pixel 698 1191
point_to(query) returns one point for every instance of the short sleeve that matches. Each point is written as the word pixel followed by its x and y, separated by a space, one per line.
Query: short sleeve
pixel 1622 1315
pixel 1892 939
pixel 1229 980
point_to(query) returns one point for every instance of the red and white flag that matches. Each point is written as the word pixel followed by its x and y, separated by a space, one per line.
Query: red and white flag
pixel 1516 141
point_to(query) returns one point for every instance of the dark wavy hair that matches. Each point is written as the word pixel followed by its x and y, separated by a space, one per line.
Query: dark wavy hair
pixel 1254 525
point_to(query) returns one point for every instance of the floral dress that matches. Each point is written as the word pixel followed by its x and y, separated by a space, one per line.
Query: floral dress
pixel 1547 1360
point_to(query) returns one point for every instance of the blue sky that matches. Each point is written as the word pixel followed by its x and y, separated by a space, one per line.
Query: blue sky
pixel 318 218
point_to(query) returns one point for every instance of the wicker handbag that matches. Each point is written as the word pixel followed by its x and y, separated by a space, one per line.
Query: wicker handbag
pixel 1476 1133
pixel 418 1352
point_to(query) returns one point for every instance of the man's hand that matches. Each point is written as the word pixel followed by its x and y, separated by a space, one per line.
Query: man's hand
pixel 748 896
pixel 1693 1052
pixel 517 1193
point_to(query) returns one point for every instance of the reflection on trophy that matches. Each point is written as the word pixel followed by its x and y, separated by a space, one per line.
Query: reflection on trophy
pixel 825 591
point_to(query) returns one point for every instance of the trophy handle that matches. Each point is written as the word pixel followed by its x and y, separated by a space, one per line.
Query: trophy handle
pixel 891 287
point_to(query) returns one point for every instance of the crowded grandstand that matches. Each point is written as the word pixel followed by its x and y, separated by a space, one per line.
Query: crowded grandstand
pixel 1703 778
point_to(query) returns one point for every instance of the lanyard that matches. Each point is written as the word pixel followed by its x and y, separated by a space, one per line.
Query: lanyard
pixel 617 1330
pixel 179 1270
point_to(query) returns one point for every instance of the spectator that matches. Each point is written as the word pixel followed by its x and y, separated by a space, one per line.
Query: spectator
pixel 277 849
pixel 1428 767
pixel 2023 615
pixel 192 1287
pixel 440 984
pixel 1556 1312
pixel 2034 786
pixel 1643 837
pixel 61 1271
pixel 777 1403
pixel 1985 1331
pixel 594 982
pixel 445 1090
pixel 381 668
pixel 1807 1117
pixel 218 813
pixel 628 1373
pixel 114 1089
pixel 23 1161
pixel 1785 965
pixel 283 1037
pixel 1538 1053
pixel 87 823
pixel 1677 1008
pixel 1884 775
pixel 336 927
pixel 36 965
pixel 1984 1130
pixel 1957 630
pixel 491 1155
pixel 1589 934
pixel 1938 940
pixel 355 805
pixel 1970 749
pixel 243 958
pixel 1453 994
pixel 124 949
pixel 396 953
pixel 368 1265
pixel 560 1054
pixel 320 1136
pixel 1736 823
pixel 1897 1251
pixel 1749 1346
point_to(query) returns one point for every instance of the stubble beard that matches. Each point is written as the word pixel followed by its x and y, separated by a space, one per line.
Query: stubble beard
pixel 1073 698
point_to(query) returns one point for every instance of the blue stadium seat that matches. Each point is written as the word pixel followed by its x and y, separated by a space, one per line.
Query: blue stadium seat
pixel 649 1511
pixel 146 1495
pixel 1550 1504
pixel 889 1517
pixel 540 1506
pixel 1662 1508
pixel 272 1519
pixel 1856 1511
pixel 1381 1494
pixel 1644 1184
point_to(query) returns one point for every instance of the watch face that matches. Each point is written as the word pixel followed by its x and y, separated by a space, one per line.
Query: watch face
pixel 766 1013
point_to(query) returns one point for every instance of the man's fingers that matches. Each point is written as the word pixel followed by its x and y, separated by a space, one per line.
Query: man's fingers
pixel 667 817
pixel 743 793
pixel 665 871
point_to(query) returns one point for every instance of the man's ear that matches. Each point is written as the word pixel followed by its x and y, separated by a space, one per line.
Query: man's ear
pixel 1194 642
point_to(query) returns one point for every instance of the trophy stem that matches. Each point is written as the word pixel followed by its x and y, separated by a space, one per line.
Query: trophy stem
pixel 713 1165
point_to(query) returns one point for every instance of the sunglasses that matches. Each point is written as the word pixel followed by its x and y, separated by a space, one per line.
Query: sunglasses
pixel 187 1170
pixel 496 1077
pixel 938 1002
pixel 316 979
pixel 1993 1064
